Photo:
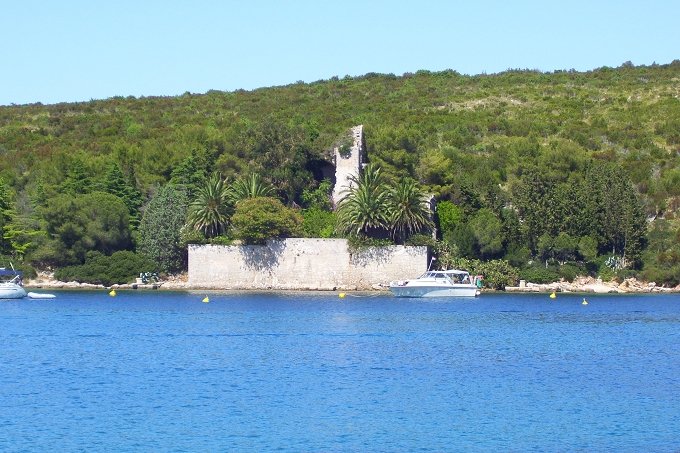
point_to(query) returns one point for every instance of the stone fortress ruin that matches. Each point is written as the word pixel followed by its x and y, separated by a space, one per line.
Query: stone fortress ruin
pixel 309 263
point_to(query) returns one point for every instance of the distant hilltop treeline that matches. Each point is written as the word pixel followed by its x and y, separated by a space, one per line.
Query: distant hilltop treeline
pixel 495 142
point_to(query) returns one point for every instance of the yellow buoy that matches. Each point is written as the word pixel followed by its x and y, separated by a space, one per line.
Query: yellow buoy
pixel 585 302
pixel 341 295
pixel 112 293
pixel 553 295
pixel 206 300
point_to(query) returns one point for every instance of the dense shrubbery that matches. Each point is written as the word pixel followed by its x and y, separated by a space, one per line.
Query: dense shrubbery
pixel 318 223
pixel 538 274
pixel 121 267
pixel 560 167
pixel 257 219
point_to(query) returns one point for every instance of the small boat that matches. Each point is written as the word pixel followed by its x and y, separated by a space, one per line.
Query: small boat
pixel 11 286
pixel 32 295
pixel 449 283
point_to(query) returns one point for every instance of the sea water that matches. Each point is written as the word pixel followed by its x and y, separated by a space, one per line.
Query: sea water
pixel 165 371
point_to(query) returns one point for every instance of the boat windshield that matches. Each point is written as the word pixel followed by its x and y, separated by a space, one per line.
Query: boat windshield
pixel 453 276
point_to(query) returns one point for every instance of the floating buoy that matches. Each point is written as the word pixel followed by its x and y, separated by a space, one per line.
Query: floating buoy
pixel 112 293
pixel 206 300
pixel 585 302
pixel 553 295
pixel 341 295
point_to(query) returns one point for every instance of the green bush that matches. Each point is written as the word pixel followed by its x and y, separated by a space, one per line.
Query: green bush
pixel 318 223
pixel 421 239
pixel 358 243
pixel 222 240
pixel 570 271
pixel 538 274
pixel 121 267
pixel 666 276
pixel 497 274
pixel 257 219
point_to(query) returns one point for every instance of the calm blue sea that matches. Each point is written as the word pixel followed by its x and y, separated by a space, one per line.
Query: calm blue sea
pixel 163 371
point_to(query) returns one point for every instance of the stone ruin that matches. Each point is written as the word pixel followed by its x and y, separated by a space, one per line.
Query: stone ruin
pixel 349 159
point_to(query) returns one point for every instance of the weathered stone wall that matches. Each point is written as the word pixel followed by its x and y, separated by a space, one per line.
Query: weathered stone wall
pixel 304 264
pixel 348 165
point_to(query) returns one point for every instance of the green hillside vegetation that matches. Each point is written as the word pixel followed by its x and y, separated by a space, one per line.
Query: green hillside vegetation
pixel 551 174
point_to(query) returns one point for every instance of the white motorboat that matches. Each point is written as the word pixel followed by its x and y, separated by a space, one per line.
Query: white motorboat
pixel 11 286
pixel 449 283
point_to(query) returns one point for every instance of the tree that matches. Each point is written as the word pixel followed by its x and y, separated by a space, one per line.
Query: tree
pixel 319 197
pixel 115 183
pixel 252 186
pixel 260 218
pixel 78 181
pixel 616 213
pixel 210 210
pixel 487 229
pixel 189 173
pixel 364 206
pixel 77 224
pixel 565 247
pixel 281 152
pixel 408 209
pixel 160 229
pixel 449 215
pixel 6 212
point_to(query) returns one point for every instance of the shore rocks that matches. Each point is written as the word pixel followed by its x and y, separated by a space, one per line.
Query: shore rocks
pixel 592 285
pixel 579 285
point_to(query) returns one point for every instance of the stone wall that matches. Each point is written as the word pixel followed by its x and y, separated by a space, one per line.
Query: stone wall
pixel 302 264
pixel 349 164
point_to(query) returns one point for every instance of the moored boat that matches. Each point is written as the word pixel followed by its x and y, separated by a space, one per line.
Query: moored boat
pixel 11 286
pixel 448 283
pixel 32 295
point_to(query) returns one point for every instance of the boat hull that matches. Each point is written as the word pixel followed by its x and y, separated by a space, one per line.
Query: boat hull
pixel 434 291
pixel 32 295
pixel 12 292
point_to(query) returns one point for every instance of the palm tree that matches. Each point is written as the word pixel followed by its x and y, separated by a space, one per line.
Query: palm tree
pixel 408 210
pixel 363 209
pixel 209 212
pixel 252 186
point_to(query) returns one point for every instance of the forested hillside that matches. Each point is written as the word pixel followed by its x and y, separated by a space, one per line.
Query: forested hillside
pixel 576 170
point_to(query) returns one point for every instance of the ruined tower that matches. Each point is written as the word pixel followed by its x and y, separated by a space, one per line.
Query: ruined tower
pixel 349 161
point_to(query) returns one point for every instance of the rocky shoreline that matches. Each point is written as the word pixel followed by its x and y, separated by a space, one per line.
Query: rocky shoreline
pixel 579 285
pixel 593 285
pixel 45 280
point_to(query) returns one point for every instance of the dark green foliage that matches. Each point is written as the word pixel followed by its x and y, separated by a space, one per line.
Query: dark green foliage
pixel 319 197
pixel 257 219
pixel 408 210
pixel 6 214
pixel 209 212
pixel 371 207
pixel 538 274
pixel 160 229
pixel 318 223
pixel 662 257
pixel 570 271
pixel 449 216
pixel 582 153
pixel 78 224
pixel 120 267
pixel 190 173
pixel 251 186
pixel 488 233
pixel 115 183
pixel 364 208
pixel 497 274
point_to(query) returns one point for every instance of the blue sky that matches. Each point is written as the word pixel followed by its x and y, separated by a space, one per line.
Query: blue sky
pixel 77 50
